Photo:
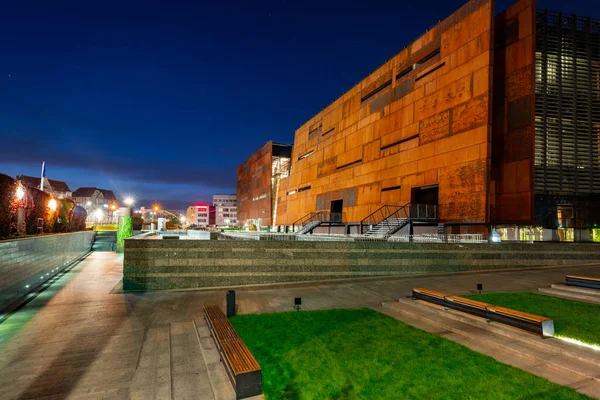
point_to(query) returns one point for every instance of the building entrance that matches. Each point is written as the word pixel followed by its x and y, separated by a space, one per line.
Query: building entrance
pixel 424 195
pixel 336 210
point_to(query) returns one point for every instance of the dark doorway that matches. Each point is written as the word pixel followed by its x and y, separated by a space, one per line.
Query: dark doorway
pixel 336 210
pixel 424 195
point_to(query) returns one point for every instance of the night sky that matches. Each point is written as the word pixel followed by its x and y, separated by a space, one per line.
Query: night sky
pixel 164 99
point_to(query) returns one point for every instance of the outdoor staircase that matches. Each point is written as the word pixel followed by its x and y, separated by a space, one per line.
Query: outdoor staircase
pixel 573 293
pixel 308 227
pixel 387 227
pixel 105 241
pixel 553 359
pixel 312 220
pixel 389 219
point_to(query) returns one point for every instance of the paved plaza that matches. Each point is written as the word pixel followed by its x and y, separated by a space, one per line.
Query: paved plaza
pixel 83 338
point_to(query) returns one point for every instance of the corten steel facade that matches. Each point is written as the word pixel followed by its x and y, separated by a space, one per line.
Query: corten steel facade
pixel 418 129
pixel 257 182
pixel 494 118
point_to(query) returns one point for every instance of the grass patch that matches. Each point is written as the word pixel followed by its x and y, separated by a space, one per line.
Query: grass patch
pixel 363 354
pixel 572 319
pixel 105 227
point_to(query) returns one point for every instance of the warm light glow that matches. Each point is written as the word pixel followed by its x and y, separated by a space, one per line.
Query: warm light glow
pixel 52 205
pixel 155 208
pixel 578 342
pixel 113 207
pixel 99 214
pixel 20 193
pixel 129 201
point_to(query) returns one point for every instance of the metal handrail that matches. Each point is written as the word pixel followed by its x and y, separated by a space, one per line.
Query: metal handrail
pixel 388 215
pixel 319 216
pixel 383 215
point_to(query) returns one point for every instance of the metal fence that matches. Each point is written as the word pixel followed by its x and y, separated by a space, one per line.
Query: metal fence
pixel 433 238
pixel 424 238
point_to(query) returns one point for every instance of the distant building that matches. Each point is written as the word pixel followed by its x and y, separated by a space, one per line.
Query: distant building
pixel 58 189
pixel 257 184
pixel 225 209
pixel 201 215
pixel 94 199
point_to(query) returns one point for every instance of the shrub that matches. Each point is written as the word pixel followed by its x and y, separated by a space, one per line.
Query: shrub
pixel 124 231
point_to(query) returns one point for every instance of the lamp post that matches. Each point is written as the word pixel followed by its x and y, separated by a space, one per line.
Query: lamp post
pixel 19 194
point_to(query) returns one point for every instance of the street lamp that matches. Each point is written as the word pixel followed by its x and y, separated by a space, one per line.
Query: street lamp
pixel 20 193
pixel 52 205
pixel 129 201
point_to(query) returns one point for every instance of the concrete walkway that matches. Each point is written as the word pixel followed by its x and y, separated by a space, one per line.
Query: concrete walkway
pixel 79 340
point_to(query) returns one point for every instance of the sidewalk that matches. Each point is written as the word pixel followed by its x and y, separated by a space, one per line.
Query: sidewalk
pixel 79 340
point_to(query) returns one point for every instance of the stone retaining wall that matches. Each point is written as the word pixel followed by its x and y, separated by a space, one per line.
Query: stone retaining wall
pixel 25 264
pixel 169 264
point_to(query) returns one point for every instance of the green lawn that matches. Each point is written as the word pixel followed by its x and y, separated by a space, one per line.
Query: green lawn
pixel 362 354
pixel 572 319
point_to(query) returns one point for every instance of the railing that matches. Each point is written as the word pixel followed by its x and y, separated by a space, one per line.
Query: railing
pixel 393 217
pixel 319 216
pixel 434 238
pixel 423 212
pixel 422 238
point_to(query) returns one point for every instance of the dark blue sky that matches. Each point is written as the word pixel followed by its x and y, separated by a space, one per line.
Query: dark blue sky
pixel 164 99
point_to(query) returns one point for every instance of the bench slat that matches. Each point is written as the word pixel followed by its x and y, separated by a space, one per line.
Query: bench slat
pixel 242 368
pixel 585 278
pixel 531 322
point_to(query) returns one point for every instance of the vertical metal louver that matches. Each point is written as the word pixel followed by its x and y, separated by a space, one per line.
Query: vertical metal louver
pixel 567 109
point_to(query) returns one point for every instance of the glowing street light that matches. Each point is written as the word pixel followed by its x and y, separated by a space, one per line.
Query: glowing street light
pixel 20 193
pixel 129 201
pixel 155 208
pixel 113 207
pixel 52 205
pixel 89 203
pixel 99 214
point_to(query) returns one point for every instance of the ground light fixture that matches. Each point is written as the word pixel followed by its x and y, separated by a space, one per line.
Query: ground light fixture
pixel 52 204
pixel 297 303
pixel 578 342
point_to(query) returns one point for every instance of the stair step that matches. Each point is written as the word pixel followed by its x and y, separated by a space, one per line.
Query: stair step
pixel 548 345
pixel 490 340
pixel 577 289
pixel 569 295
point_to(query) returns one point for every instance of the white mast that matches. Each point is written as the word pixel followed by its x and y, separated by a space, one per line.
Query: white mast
pixel 43 176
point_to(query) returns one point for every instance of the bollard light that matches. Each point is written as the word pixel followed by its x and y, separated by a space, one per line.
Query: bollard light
pixel 297 303
pixel 480 287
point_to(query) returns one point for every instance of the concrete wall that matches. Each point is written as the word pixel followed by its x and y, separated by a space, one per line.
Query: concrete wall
pixel 165 264
pixel 25 264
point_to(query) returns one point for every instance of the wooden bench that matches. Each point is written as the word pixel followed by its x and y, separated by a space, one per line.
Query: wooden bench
pixel 241 366
pixel 583 281
pixel 530 322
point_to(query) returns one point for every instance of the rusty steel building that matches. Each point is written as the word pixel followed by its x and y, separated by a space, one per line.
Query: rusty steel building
pixel 257 184
pixel 487 121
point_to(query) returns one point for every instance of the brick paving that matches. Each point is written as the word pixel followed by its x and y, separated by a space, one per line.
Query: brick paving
pixel 82 339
